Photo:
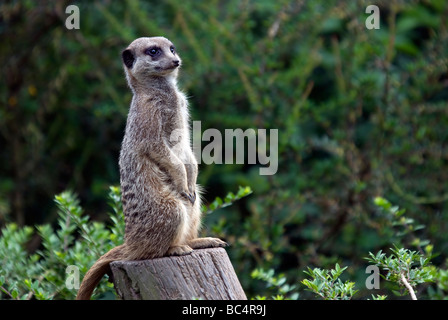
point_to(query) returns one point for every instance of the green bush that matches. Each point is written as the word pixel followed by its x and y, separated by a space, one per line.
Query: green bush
pixel 326 284
pixel 77 242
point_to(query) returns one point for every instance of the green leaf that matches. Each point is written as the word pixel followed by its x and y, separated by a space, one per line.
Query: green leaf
pixel 381 202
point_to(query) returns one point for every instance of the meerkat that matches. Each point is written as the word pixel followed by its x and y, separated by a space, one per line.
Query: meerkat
pixel 158 170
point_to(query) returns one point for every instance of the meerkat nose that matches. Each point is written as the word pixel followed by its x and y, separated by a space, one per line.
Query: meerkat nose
pixel 176 63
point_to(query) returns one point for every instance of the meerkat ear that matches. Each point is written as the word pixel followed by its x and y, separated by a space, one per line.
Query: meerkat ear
pixel 128 58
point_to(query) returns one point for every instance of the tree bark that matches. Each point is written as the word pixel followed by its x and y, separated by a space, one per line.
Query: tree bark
pixel 204 274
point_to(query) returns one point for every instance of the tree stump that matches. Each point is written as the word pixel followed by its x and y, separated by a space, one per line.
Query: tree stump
pixel 204 274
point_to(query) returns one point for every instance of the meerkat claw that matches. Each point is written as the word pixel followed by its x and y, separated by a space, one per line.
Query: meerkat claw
pixel 191 197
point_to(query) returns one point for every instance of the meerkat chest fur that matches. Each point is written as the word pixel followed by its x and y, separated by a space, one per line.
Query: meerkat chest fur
pixel 175 125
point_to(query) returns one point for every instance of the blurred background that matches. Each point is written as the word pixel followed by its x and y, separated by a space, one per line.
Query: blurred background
pixel 360 114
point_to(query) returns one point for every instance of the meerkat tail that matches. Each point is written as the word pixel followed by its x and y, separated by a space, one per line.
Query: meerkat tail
pixel 97 271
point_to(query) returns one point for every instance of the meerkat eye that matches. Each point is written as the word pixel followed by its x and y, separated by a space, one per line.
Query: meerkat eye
pixel 172 49
pixel 154 51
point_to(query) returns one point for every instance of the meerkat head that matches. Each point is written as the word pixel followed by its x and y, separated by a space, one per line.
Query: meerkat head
pixel 145 58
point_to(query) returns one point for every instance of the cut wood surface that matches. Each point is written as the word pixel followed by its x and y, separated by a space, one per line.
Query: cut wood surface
pixel 204 274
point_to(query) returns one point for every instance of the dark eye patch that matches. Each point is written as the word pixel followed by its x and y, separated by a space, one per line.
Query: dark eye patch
pixel 153 51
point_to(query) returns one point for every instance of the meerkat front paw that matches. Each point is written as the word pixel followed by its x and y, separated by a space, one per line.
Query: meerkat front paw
pixel 179 250
pixel 208 242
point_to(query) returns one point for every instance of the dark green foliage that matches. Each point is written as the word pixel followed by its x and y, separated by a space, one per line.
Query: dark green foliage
pixel 76 242
pixel 360 113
